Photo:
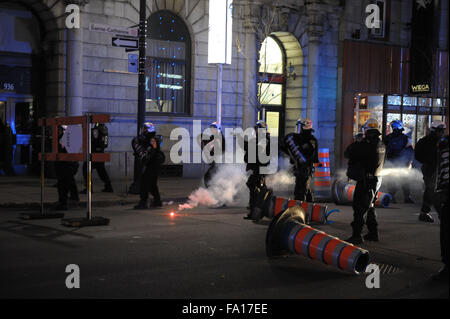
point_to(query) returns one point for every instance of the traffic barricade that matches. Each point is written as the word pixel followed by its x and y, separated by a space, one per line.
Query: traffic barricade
pixel 271 206
pixel 86 155
pixel 343 191
pixel 289 234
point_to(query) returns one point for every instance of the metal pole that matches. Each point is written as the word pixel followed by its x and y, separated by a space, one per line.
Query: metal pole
pixel 42 164
pixel 219 92
pixel 89 167
pixel 126 172
pixel 134 188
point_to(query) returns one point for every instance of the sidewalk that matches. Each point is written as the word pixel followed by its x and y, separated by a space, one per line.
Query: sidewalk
pixel 25 191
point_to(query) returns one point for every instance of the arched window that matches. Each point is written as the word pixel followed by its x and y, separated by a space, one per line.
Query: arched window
pixel 271 84
pixel 168 64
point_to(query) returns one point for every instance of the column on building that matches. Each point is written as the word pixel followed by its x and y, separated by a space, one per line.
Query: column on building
pixel 315 31
pixel 249 12
pixel 74 66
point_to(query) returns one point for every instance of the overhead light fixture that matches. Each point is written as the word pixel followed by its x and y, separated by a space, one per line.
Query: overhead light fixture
pixel 291 73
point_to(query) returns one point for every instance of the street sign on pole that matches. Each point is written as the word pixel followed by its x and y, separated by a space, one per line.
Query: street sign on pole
pixel 220 31
pixel 134 188
pixel 133 61
pixel 125 42
pixel 219 42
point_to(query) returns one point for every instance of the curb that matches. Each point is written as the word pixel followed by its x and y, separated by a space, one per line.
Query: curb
pixel 81 204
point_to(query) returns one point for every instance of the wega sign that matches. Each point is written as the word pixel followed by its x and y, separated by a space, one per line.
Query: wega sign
pixel 420 88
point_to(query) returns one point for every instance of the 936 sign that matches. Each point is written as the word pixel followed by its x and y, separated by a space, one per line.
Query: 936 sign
pixel 8 86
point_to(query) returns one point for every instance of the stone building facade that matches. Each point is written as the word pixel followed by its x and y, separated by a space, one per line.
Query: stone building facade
pixel 75 71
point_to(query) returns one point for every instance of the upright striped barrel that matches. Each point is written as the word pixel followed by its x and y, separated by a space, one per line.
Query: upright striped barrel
pixel 288 232
pixel 343 191
pixel 322 175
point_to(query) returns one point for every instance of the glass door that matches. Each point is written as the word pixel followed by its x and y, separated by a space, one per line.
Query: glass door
pixel 2 111
pixel 366 106
pixel 22 113
pixel 273 119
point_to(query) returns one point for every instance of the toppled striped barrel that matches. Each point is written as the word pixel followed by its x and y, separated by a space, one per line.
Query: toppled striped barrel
pixel 342 192
pixel 270 206
pixel 288 234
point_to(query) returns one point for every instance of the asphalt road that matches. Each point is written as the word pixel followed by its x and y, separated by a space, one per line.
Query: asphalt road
pixel 205 253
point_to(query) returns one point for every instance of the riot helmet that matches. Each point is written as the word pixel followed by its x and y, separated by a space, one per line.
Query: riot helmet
pixel 438 127
pixel 260 124
pixel 148 129
pixel 397 125
pixel 215 127
pixel 61 130
pixel 304 125
pixel 371 128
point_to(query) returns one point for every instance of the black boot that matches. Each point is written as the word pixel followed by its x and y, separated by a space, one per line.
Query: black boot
pixel 156 203
pixel 372 236
pixel 249 214
pixel 141 205
pixel 356 238
pixel 425 217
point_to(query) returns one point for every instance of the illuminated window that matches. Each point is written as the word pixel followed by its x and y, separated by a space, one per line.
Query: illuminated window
pixel 272 84
pixel 270 57
pixel 270 93
pixel 168 64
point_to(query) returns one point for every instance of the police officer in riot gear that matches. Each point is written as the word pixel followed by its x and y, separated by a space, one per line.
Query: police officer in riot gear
pixel 302 148
pixel 146 148
pixel 216 141
pixel 64 175
pixel 260 144
pixel 366 159
pixel 426 153
pixel 99 143
pixel 441 203
pixel 399 154
pixel 6 149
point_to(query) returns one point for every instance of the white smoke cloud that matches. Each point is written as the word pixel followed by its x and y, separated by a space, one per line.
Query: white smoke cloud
pixel 227 187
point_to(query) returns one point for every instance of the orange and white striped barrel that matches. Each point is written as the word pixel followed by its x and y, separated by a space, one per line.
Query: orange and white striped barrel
pixel 277 205
pixel 343 192
pixel 288 232
pixel 322 175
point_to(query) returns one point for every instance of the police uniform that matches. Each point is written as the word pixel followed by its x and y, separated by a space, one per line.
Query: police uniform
pixel 426 153
pixel 99 143
pixel 146 148
pixel 366 159
pixel 64 174
pixel 6 149
pixel 256 182
pixel 441 202
pixel 209 144
pixel 399 154
pixel 306 146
